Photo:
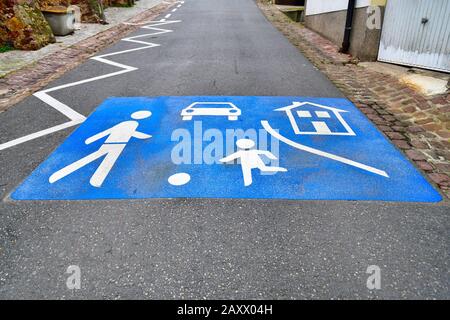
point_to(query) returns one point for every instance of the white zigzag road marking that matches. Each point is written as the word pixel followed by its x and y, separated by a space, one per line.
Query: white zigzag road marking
pixel 75 117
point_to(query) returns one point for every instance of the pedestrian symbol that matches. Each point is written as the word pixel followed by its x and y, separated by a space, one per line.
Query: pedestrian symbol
pixel 118 137
pixel 227 147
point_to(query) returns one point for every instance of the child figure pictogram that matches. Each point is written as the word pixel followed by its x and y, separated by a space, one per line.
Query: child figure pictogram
pixel 251 159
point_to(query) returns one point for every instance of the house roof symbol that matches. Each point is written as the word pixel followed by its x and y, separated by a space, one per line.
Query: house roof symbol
pixel 320 126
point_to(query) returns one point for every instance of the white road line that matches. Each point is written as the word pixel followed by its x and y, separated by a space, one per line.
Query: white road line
pixel 174 10
pixel 75 117
pixel 299 146
pixel 167 16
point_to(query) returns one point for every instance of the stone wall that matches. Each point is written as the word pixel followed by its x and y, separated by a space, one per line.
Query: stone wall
pixel 52 3
pixel 121 3
pixel 23 26
pixel 92 11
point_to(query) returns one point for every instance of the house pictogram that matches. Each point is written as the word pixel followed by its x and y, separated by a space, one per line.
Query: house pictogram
pixel 309 118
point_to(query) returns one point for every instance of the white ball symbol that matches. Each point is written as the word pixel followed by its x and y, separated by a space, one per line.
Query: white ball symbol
pixel 179 179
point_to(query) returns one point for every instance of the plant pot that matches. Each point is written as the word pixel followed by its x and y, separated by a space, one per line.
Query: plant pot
pixel 61 20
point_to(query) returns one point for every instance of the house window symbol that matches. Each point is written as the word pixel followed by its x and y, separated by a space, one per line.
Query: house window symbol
pixel 317 117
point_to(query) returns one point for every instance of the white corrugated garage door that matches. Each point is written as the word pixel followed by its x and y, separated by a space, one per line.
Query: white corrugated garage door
pixel 417 33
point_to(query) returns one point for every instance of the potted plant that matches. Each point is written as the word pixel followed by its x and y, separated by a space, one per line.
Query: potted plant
pixel 61 19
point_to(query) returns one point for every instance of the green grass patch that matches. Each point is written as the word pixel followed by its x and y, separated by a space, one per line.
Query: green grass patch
pixel 5 48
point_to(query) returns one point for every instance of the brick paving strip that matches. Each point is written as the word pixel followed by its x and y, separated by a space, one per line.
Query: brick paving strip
pixel 417 125
pixel 20 84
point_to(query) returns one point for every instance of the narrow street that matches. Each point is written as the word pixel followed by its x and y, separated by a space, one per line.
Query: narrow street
pixel 308 229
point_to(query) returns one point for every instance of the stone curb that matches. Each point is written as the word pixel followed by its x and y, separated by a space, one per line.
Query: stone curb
pixel 419 126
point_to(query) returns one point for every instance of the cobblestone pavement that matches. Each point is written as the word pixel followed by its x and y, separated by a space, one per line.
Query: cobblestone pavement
pixel 418 125
pixel 18 85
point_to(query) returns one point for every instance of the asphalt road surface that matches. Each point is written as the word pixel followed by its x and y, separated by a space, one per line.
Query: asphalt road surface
pixel 209 248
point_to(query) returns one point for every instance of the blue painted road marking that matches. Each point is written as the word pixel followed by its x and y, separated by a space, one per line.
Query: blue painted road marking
pixel 304 148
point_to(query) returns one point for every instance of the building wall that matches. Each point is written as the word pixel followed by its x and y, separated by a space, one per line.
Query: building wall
pixel 325 6
pixel 328 17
